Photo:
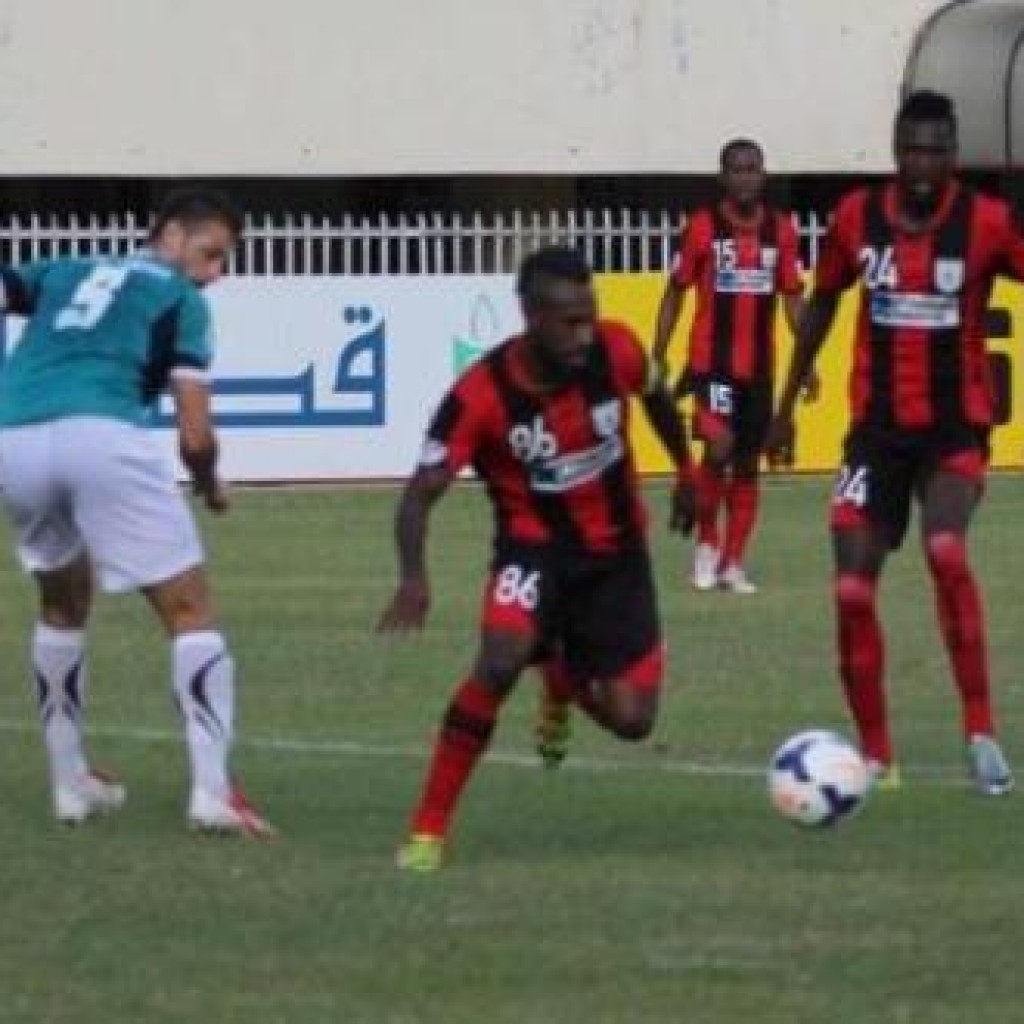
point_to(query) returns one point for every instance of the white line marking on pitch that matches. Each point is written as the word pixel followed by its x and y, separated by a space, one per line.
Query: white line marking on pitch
pixel 355 748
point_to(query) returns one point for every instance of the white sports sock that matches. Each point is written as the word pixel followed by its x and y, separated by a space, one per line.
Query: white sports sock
pixel 58 664
pixel 204 685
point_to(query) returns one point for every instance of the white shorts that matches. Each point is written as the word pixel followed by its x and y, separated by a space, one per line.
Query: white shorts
pixel 99 486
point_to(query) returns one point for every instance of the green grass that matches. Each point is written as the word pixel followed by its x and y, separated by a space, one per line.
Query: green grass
pixel 631 886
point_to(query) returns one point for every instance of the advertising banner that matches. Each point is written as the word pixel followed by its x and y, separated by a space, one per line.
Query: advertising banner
pixel 332 378
pixel 634 298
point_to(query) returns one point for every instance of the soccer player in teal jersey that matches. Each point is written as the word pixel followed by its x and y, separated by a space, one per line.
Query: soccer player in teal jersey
pixel 91 493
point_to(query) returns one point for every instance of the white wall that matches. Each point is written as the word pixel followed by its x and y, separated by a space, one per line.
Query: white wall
pixel 353 87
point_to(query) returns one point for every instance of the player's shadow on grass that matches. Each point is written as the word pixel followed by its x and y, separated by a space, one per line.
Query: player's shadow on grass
pixel 591 816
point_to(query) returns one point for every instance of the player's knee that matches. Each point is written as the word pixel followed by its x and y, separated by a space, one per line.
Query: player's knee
pixel 719 450
pixel 746 470
pixel 633 730
pixel 855 594
pixel 499 668
pixel 183 604
pixel 65 614
pixel 633 697
pixel 65 597
pixel 947 555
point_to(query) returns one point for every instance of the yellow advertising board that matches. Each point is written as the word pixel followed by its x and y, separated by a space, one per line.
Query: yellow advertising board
pixel 634 298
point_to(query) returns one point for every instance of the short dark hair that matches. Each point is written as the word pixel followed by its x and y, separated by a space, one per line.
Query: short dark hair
pixel 734 146
pixel 553 262
pixel 927 105
pixel 197 204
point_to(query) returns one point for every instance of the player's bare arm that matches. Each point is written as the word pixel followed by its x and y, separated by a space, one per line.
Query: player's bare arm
pixel 665 323
pixel 411 600
pixel 794 307
pixel 814 325
pixel 664 417
pixel 197 440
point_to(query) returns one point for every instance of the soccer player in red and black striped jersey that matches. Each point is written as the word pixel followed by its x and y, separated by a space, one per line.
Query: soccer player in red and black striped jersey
pixel 544 419
pixel 926 250
pixel 739 256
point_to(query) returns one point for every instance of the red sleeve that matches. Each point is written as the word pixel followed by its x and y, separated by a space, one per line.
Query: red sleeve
pixel 787 276
pixel 1012 234
pixel 694 246
pixel 629 362
pixel 457 427
pixel 838 266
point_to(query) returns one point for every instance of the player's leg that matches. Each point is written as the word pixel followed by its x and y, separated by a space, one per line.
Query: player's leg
pixel 712 425
pixel 859 555
pixel 948 497
pixel 752 410
pixel 60 670
pixel 630 699
pixel 516 600
pixel 203 682
pixel 553 729
pixel 141 536
pixel 613 646
pixel 870 510
pixel 743 498
pixel 50 547
pixel 466 729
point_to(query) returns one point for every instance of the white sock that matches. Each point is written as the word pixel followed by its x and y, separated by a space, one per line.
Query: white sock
pixel 204 686
pixel 58 663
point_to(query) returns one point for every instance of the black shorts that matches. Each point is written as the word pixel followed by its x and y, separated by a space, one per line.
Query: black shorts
pixel 599 611
pixel 744 407
pixel 883 469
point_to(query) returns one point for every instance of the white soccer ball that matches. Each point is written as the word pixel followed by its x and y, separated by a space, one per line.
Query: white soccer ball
pixel 817 778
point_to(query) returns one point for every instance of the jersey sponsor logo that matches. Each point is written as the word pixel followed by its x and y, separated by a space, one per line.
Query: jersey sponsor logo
pixel 905 309
pixel 607 417
pixel 565 472
pixel 534 444
pixel 949 275
pixel 746 281
pixel 769 257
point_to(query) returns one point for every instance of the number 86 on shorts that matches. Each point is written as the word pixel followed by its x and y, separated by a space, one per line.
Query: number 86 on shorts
pixel 512 598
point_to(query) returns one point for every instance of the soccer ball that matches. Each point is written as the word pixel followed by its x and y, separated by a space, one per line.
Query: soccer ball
pixel 817 778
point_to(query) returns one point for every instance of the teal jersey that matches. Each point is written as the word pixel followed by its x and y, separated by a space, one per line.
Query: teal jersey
pixel 103 336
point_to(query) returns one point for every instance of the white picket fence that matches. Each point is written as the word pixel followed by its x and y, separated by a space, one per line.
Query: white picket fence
pixel 620 240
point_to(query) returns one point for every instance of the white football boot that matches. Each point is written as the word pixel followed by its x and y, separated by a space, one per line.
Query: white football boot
pixel 989 768
pixel 84 798
pixel 233 815
pixel 734 579
pixel 705 567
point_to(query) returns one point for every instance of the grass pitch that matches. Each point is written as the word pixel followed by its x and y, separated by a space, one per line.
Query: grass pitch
pixel 646 883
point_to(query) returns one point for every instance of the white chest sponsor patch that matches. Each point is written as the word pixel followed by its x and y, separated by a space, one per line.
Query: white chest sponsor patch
pixel 752 281
pixel 564 472
pixel 925 312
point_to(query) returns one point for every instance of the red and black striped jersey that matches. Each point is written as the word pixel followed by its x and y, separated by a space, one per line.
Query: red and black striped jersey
pixel 557 465
pixel 919 352
pixel 738 268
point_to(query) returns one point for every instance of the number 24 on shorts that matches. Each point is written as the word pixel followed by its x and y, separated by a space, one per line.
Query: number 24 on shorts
pixel 851 486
